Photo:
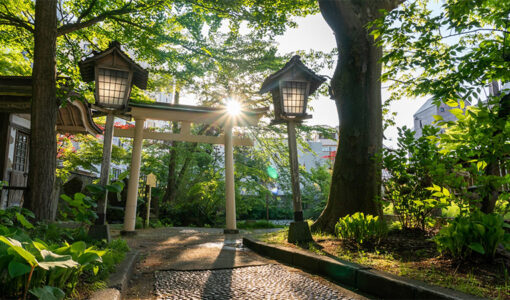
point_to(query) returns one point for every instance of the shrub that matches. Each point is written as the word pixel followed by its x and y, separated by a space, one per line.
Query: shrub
pixel 478 232
pixel 360 229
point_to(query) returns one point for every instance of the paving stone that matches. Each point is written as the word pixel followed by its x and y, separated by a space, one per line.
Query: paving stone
pixel 253 282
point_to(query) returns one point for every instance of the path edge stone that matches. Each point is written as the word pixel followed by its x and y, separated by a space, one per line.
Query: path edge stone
pixel 362 278
pixel 118 281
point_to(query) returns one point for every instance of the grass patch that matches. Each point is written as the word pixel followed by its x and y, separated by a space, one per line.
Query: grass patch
pixel 411 254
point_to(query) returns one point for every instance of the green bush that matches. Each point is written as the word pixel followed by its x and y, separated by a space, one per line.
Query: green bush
pixel 478 232
pixel 360 229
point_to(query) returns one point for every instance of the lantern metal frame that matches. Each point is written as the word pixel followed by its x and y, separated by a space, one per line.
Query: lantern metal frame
pixel 282 100
pixel 127 90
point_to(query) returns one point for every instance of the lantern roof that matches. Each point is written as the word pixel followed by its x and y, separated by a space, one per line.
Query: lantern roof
pixel 293 65
pixel 140 75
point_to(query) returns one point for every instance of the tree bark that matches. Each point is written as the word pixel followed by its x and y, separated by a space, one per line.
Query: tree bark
pixel 356 181
pixel 43 143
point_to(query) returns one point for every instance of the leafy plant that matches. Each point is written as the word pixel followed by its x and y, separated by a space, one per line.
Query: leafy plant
pixel 360 229
pixel 413 168
pixel 478 232
pixel 48 293
pixel 23 258
pixel 79 208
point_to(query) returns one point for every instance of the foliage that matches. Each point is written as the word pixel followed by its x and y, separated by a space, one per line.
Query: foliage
pixel 478 232
pixel 87 155
pixel 451 50
pixel 414 167
pixel 478 142
pixel 359 229
pixel 315 190
pixel 39 260
pixel 80 208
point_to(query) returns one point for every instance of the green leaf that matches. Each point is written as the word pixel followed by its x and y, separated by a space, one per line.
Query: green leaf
pixel 452 103
pixel 78 248
pixel 24 222
pixel 17 269
pixel 457 112
pixel 18 248
pixel 477 247
pixel 438 117
pixel 114 188
pixel 52 260
pixel 89 257
pixel 48 293
pixel 481 165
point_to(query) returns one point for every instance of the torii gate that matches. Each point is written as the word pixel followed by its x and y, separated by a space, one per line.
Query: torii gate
pixel 185 114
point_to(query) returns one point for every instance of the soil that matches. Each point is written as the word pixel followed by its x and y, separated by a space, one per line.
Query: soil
pixel 411 253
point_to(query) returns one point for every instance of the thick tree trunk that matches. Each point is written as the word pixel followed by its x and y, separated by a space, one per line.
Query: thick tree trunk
pixel 356 181
pixel 43 143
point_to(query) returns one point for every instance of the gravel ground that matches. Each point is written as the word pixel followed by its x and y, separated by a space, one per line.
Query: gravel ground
pixel 253 282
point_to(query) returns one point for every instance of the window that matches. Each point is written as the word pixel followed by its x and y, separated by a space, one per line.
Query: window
pixel 441 109
pixel 21 152
pixel 116 173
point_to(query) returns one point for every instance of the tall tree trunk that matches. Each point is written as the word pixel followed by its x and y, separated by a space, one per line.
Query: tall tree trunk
pixel 43 143
pixel 356 181
pixel 171 186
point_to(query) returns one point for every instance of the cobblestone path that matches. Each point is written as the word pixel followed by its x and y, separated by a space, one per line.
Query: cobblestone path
pixel 254 282
pixel 203 263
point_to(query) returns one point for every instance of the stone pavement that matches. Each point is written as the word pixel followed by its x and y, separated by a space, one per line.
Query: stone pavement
pixel 203 263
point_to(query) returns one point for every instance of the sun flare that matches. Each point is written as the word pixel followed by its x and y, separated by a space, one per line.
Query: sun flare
pixel 233 107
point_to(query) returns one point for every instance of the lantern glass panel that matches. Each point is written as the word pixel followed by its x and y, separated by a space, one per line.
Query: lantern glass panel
pixel 294 95
pixel 112 87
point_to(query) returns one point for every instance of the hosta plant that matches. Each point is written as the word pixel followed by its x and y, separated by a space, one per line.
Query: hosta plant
pixel 478 232
pixel 360 228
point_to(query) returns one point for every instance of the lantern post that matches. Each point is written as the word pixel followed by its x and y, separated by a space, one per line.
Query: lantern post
pixel 113 73
pixel 290 88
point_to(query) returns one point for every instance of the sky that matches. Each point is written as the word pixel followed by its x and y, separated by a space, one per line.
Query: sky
pixel 314 33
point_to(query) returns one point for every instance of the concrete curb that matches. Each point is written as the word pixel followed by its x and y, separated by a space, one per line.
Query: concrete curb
pixel 365 279
pixel 118 281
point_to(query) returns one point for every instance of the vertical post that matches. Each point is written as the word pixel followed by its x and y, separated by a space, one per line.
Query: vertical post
pixel 134 174
pixel 294 172
pixel 100 230
pixel 105 168
pixel 148 203
pixel 229 181
pixel 298 231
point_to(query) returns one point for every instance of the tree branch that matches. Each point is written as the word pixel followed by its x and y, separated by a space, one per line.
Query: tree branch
pixel 11 20
pixel 68 28
pixel 87 11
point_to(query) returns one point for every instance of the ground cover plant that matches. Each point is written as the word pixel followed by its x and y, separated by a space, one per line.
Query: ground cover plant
pixel 413 254
pixel 47 261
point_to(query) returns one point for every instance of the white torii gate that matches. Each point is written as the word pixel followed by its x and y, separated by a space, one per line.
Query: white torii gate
pixel 186 115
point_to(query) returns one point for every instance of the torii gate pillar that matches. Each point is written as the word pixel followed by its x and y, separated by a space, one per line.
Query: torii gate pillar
pixel 230 194
pixel 134 175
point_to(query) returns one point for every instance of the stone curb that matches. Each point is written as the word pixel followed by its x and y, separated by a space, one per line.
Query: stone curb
pixel 118 281
pixel 365 279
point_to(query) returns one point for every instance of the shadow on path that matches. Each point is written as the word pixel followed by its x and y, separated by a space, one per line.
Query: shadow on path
pixel 219 282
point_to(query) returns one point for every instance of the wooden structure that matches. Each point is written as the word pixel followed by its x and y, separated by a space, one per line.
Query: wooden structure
pixel 15 106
